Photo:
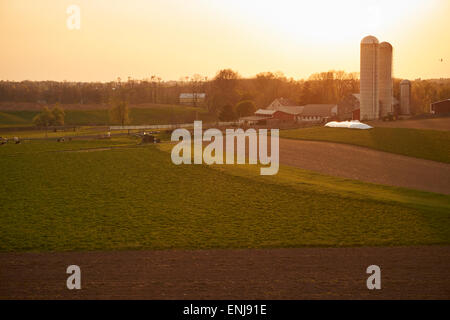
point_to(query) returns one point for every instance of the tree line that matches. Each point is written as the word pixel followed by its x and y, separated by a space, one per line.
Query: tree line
pixel 224 91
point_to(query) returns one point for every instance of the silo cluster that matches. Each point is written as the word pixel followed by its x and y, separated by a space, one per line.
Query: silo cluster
pixel 369 103
pixel 405 97
pixel 375 79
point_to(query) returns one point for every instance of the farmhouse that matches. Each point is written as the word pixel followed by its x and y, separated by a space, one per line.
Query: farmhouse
pixel 281 102
pixel 192 99
pixel 440 107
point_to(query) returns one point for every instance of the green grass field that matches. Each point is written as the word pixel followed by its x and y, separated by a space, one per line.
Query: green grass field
pixel 425 144
pixel 152 114
pixel 30 148
pixel 14 118
pixel 135 198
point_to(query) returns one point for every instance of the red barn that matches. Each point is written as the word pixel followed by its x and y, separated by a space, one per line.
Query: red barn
pixel 280 115
pixel 356 114
pixel 440 107
pixel 264 116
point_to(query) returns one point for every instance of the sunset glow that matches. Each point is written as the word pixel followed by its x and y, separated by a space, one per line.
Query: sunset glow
pixel 173 39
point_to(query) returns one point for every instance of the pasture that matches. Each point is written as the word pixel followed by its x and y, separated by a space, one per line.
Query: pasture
pixel 146 114
pixel 122 195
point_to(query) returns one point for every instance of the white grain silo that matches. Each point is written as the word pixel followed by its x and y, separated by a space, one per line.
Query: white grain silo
pixel 369 103
pixel 385 86
pixel 405 97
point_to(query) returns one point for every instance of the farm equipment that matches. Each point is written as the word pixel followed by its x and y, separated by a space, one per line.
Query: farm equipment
pixel 389 117
pixel 146 138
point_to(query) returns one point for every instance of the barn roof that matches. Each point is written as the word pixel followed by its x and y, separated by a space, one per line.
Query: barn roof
pixel 323 110
pixel 441 101
pixel 281 102
pixel 285 102
pixel 265 112
pixel 291 110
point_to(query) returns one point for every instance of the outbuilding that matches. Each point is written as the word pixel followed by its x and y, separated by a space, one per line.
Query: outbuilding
pixel 440 107
pixel 193 99
pixel 276 114
pixel 318 112
pixel 349 107
pixel 265 116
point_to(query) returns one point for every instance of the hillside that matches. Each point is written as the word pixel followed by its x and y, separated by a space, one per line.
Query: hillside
pixel 425 144
pixel 135 198
pixel 140 114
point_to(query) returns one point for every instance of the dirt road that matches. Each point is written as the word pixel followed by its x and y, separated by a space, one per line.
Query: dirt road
pixel 310 273
pixel 367 165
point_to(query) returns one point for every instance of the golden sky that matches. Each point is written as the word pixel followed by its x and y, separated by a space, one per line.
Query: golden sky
pixel 175 38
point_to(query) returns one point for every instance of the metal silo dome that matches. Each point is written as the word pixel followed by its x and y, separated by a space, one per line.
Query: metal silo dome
pixel 369 40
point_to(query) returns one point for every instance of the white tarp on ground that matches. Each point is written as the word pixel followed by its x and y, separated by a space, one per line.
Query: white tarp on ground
pixel 355 124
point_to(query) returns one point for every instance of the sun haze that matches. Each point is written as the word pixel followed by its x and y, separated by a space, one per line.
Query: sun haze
pixel 175 38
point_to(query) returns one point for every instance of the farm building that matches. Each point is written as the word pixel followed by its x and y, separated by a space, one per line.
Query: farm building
pixel 193 99
pixel 318 112
pixel 309 112
pixel 254 120
pixel 295 110
pixel 281 114
pixel 267 117
pixel 281 102
pixel 440 107
pixel 349 107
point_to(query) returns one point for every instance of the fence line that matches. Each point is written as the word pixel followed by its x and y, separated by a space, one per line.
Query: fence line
pixel 171 126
